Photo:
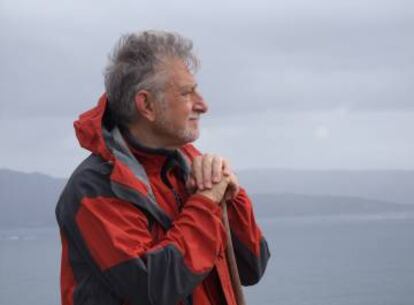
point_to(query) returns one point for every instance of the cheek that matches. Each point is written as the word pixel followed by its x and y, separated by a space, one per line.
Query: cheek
pixel 178 118
pixel 181 111
pixel 184 110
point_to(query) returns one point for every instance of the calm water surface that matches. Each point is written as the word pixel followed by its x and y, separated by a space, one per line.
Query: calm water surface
pixel 315 261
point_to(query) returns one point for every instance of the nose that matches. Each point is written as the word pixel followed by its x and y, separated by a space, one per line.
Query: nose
pixel 200 105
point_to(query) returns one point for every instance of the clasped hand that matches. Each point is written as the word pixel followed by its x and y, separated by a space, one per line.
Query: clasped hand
pixel 211 176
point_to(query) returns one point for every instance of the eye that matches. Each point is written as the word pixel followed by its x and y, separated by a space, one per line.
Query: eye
pixel 187 92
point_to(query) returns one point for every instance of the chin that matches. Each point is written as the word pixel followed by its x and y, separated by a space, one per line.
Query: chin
pixel 190 136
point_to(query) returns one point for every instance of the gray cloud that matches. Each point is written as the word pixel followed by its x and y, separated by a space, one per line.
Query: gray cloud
pixel 313 140
pixel 274 72
pixel 285 56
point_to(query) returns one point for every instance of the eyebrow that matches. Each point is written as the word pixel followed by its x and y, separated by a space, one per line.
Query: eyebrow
pixel 187 87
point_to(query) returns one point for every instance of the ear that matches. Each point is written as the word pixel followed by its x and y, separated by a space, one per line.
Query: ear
pixel 144 105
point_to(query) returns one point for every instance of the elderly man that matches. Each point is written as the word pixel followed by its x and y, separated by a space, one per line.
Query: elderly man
pixel 140 218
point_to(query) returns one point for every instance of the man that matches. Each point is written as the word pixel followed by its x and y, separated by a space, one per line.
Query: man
pixel 140 218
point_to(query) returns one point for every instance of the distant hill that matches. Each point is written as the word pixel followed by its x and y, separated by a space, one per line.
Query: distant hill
pixel 292 205
pixel 30 199
pixel 384 185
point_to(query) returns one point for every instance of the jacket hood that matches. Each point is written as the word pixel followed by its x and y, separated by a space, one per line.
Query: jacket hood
pixel 89 129
pixel 96 133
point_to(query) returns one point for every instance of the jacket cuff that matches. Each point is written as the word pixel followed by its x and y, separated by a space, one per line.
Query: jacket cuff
pixel 201 201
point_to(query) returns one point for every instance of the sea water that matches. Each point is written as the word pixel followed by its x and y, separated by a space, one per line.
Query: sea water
pixel 352 260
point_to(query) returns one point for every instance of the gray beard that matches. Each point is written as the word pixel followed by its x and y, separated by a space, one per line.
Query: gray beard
pixel 166 128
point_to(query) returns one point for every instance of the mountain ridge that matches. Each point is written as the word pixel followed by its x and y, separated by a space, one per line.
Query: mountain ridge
pixel 389 185
pixel 29 199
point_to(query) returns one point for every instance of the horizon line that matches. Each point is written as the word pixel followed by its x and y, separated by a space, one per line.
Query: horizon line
pixel 249 169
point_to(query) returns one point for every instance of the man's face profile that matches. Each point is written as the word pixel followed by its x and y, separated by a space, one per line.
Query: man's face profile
pixel 177 114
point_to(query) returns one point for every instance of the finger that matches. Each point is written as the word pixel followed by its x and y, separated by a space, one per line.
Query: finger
pixel 217 167
pixel 234 185
pixel 207 170
pixel 191 184
pixel 197 172
pixel 226 168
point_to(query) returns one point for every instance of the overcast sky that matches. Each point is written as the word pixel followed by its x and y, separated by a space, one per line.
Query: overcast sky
pixel 290 84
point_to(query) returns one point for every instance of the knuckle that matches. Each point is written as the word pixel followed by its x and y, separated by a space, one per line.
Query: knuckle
pixel 205 157
pixel 196 161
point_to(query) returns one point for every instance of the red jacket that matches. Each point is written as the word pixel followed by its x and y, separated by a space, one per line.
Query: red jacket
pixel 132 235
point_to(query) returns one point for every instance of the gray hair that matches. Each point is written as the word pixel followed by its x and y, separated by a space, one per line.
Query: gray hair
pixel 136 64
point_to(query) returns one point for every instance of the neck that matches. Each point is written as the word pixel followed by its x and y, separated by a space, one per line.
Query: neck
pixel 146 137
